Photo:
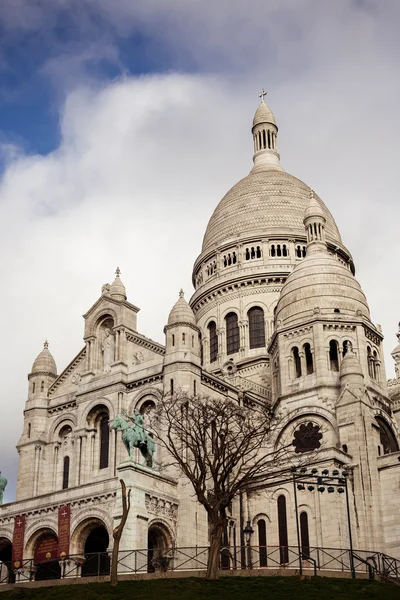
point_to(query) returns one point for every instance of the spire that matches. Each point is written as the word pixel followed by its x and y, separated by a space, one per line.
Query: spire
pixel 117 288
pixel 314 222
pixel 265 132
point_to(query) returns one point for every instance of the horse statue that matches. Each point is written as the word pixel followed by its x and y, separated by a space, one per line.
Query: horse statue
pixel 3 485
pixel 135 437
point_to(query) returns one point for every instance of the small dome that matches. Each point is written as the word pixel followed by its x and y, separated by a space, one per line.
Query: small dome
pixel 181 312
pixel 314 209
pixel 322 284
pixel 263 115
pixel 350 366
pixel 117 288
pixel 45 362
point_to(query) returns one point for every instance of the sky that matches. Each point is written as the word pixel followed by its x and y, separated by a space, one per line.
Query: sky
pixel 122 125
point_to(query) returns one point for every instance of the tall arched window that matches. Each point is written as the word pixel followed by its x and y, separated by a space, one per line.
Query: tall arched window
pixel 283 532
pixel 387 437
pixel 212 331
pixel 232 333
pixel 309 359
pixel 256 327
pixel 65 473
pixel 334 355
pixel 304 535
pixel 262 542
pixel 297 362
pixel 104 442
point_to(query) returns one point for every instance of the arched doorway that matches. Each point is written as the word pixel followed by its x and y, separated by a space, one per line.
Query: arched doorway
pixel 97 560
pixel 6 572
pixel 159 543
pixel 45 557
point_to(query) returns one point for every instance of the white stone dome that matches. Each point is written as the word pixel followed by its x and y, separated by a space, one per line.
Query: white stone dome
pixel 45 362
pixel 266 202
pixel 320 284
pixel 181 312
pixel 263 114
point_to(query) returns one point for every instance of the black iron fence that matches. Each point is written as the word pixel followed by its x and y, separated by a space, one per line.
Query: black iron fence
pixel 314 560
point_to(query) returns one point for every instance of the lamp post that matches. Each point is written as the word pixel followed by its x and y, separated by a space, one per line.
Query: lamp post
pixel 310 480
pixel 248 532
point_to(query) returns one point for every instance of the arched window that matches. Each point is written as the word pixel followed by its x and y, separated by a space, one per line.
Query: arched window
pixel 42 386
pixel 283 532
pixel 304 536
pixel 247 254
pixel 183 338
pixel 104 442
pixel 297 362
pixel 278 250
pixel 232 333
pixel 29 430
pixel 264 140
pixel 173 339
pixel 298 252
pixel 387 437
pixel 333 355
pixel 262 542
pixel 284 250
pixel 304 252
pixel 273 250
pixel 65 481
pixel 309 359
pixel 256 327
pixel 212 330
pixel 346 345
pixel 258 252
pixel 33 387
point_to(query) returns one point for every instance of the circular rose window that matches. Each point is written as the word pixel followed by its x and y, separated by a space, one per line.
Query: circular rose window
pixel 307 437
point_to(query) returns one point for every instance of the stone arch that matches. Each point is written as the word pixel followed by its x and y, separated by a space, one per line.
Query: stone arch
pixel 313 413
pixel 36 531
pixel 160 540
pixel 96 402
pixel 101 316
pixel 83 525
pixel 67 419
pixel 142 396
pixel 6 572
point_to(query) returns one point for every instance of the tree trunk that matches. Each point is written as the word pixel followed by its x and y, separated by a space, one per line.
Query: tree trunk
pixel 117 533
pixel 214 552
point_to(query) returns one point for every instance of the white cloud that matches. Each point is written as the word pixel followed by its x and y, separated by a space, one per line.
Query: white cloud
pixel 143 162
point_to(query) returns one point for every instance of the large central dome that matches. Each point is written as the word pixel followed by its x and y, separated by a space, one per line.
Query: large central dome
pixel 268 201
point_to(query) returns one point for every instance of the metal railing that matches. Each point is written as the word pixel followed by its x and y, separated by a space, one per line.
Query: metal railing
pixel 313 559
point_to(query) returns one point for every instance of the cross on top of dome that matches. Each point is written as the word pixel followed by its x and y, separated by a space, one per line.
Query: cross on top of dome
pixel 262 94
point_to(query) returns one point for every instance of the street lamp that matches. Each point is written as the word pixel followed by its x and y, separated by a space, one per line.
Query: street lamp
pixel 248 532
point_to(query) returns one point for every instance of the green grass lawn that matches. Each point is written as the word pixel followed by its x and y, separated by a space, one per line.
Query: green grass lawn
pixel 226 588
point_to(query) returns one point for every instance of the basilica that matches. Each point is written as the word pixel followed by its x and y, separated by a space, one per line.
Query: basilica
pixel 277 317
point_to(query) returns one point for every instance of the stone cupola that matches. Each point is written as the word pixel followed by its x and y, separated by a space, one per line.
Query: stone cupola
pixel 265 133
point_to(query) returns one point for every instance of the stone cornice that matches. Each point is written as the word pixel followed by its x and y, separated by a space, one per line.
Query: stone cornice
pixel 145 342
pixel 41 373
pixel 145 381
pixel 182 324
pixel 70 405
pixel 67 371
pixel 244 282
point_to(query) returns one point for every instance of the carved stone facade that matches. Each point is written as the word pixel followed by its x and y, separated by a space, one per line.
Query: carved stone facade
pixel 272 268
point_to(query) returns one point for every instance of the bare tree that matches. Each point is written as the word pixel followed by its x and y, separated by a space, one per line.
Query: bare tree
pixel 117 532
pixel 221 447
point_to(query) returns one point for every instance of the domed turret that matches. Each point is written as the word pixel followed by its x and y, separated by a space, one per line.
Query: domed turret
pixel 320 283
pixel 350 369
pixel 44 362
pixel 117 288
pixel 181 312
